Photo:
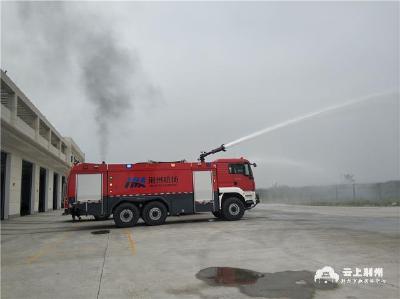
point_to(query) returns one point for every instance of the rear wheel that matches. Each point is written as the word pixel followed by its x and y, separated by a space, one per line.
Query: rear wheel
pixel 154 213
pixel 126 215
pixel 232 209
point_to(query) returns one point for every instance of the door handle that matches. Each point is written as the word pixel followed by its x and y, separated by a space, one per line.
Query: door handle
pixel 235 183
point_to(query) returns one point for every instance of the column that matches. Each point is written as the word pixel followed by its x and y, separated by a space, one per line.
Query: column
pixel 35 188
pixel 7 187
pixel 60 194
pixel 13 186
pixel 49 190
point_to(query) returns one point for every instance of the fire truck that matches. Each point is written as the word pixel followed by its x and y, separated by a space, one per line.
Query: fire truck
pixel 154 190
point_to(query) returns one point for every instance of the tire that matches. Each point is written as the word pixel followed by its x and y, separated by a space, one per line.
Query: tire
pixel 154 213
pixel 217 214
pixel 126 215
pixel 232 209
pixel 101 218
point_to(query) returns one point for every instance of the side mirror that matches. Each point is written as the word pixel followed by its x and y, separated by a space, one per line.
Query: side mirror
pixel 254 164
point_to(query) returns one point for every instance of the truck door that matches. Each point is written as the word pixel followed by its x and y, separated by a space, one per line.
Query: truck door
pixel 203 191
pixel 241 176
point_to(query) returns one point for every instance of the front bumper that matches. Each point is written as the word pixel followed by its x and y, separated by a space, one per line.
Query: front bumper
pixel 251 203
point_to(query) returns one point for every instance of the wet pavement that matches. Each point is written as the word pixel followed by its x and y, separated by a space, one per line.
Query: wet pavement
pixel 286 284
pixel 273 252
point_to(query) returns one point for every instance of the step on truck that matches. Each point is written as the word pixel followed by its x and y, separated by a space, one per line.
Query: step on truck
pixel 154 190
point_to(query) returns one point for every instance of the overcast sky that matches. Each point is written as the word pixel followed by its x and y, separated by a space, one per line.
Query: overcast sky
pixel 161 81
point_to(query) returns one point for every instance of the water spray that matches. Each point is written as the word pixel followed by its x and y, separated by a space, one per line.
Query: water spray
pixel 286 123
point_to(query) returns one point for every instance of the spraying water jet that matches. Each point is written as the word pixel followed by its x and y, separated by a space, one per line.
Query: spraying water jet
pixel 286 123
pixel 305 117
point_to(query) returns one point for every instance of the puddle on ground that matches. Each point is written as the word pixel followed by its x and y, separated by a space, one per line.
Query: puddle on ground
pixel 286 284
pixel 101 232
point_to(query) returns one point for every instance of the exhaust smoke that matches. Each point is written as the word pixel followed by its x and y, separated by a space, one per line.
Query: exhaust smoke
pixel 106 74
pixel 111 76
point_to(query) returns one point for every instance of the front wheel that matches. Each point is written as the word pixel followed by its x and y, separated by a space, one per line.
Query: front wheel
pixel 232 209
pixel 154 213
pixel 126 215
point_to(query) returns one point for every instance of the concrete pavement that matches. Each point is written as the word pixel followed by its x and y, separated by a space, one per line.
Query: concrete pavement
pixel 49 256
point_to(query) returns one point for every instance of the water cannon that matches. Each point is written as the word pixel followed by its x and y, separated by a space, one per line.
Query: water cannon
pixel 214 151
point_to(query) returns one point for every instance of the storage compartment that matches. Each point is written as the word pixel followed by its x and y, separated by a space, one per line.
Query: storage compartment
pixel 203 191
pixel 89 187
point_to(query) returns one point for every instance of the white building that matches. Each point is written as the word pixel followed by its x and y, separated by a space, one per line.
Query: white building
pixel 35 158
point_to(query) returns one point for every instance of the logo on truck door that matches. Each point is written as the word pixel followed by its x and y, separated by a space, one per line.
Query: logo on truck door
pixel 163 180
pixel 135 182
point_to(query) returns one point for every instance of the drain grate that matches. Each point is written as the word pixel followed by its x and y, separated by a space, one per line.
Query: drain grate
pixel 100 232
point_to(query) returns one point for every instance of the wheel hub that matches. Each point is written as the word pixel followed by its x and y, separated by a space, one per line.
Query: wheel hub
pixel 234 209
pixel 126 215
pixel 155 213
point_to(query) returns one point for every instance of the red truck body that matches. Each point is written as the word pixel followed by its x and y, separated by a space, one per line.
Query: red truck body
pixel 181 187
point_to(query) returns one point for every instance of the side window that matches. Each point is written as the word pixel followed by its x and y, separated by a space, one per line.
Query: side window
pixel 243 169
pixel 236 169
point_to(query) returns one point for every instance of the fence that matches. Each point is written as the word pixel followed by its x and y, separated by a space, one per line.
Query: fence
pixel 345 193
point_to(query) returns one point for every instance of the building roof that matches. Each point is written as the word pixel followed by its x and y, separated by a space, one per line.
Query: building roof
pixel 21 118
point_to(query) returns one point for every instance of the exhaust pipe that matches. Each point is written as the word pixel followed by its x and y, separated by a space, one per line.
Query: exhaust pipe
pixel 214 151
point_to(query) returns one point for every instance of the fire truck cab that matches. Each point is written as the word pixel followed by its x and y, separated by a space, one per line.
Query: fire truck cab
pixel 154 190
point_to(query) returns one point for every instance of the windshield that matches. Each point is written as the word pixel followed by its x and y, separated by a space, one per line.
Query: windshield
pixel 247 170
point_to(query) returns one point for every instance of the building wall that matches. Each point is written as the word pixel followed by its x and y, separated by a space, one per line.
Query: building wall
pixel 26 134
pixel 13 185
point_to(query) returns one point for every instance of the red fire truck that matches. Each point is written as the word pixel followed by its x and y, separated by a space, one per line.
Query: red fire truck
pixel 154 190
